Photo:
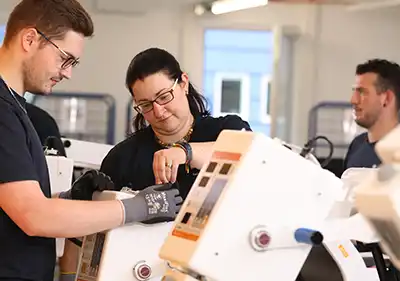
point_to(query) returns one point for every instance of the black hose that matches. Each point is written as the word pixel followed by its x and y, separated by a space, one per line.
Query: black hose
pixel 308 147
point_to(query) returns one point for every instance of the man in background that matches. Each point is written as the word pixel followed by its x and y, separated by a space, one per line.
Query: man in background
pixel 375 100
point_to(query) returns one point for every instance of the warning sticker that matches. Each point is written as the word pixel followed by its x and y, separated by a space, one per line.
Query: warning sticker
pixel 91 257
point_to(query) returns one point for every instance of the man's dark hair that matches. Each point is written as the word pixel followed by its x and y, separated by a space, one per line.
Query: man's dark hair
pixel 388 75
pixel 53 18
pixel 156 60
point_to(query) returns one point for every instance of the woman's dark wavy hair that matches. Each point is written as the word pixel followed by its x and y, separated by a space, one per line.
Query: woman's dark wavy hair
pixel 156 60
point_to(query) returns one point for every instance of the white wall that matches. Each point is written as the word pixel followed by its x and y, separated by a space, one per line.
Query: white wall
pixel 117 40
pixel 333 41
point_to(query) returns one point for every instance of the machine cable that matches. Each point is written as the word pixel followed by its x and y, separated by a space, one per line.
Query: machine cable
pixel 310 145
pixel 76 241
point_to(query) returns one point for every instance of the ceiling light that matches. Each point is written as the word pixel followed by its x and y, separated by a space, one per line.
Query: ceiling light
pixel 199 9
pixel 227 6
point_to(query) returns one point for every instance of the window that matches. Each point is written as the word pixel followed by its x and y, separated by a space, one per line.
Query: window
pixel 265 99
pixel 231 94
pixel 2 33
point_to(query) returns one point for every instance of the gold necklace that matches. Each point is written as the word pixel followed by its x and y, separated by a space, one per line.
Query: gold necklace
pixel 186 138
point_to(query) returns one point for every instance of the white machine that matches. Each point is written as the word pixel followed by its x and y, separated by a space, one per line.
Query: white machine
pixel 260 208
pixel 60 174
pixel 257 207
pixel 298 150
pixel 86 154
pixel 125 253
pixel 377 198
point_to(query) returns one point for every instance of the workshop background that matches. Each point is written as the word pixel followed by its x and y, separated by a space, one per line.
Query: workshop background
pixel 286 67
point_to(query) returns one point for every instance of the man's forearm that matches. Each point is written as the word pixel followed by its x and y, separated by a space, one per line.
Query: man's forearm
pixel 201 153
pixel 70 218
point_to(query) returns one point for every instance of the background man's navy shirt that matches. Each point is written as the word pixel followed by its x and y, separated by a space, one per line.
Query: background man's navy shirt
pixel 361 153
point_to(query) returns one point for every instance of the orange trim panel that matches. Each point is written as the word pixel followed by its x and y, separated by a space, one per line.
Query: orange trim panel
pixel 223 155
pixel 185 235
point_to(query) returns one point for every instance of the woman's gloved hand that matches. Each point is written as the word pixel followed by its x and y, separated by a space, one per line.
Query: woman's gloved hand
pixel 156 203
pixel 84 187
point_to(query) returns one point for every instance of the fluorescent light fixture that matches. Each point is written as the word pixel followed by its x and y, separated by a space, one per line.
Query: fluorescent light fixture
pixel 379 4
pixel 227 6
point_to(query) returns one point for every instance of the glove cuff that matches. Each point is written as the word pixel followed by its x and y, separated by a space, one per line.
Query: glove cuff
pixel 123 211
pixel 67 277
pixel 135 209
pixel 65 194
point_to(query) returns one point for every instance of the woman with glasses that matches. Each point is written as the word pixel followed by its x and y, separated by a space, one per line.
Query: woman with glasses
pixel 174 131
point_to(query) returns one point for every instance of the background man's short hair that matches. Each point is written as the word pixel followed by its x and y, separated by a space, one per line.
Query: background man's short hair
pixel 388 75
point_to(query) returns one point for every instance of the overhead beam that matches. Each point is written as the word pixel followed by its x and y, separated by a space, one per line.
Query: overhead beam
pixel 374 5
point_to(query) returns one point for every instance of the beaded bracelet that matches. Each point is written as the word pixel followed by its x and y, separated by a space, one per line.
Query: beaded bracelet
pixel 188 151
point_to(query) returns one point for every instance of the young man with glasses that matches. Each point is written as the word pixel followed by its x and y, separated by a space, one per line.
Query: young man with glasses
pixel 43 41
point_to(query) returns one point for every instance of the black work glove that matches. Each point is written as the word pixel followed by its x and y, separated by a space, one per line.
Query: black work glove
pixel 154 204
pixel 84 187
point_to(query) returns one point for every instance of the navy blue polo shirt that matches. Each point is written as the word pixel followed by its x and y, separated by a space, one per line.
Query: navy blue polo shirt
pixel 361 153
pixel 22 257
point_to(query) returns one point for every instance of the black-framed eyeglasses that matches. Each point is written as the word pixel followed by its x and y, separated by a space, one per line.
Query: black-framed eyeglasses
pixel 69 60
pixel 162 99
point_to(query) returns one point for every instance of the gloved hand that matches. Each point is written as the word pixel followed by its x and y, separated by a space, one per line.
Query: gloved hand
pixel 85 185
pixel 156 203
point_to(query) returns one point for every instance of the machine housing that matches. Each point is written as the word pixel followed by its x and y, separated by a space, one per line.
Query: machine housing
pixel 244 208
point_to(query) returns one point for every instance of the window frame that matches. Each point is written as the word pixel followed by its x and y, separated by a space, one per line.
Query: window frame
pixel 244 93
pixel 266 80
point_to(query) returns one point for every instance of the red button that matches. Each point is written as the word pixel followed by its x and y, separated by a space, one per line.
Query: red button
pixel 263 239
pixel 144 271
